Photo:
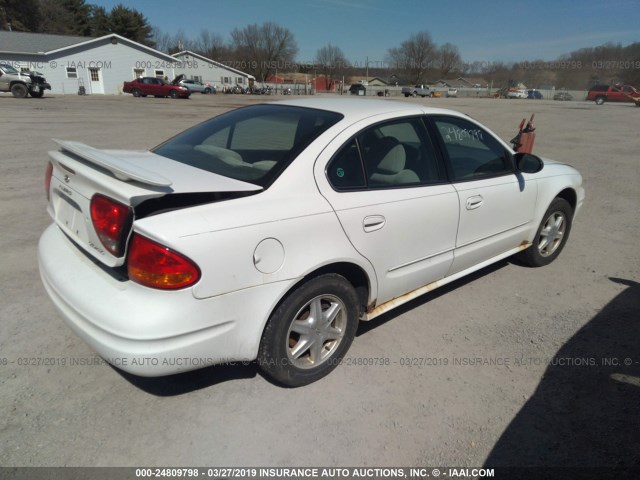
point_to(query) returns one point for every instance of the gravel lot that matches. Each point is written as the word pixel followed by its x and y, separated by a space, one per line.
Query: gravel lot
pixel 481 387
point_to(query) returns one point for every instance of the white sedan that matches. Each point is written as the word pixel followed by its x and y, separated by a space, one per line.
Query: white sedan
pixel 267 233
pixel 517 94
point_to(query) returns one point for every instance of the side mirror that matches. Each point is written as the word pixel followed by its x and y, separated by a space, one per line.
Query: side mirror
pixel 528 163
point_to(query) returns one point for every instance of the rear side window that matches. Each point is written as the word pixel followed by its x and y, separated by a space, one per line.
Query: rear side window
pixel 387 155
pixel 252 144
pixel 345 170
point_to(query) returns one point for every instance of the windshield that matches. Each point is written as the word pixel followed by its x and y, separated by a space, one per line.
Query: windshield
pixel 252 144
pixel 9 69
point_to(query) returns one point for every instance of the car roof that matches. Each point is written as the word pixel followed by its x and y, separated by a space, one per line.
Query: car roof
pixel 354 109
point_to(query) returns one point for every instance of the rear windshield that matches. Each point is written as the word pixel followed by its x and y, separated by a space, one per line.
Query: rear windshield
pixel 252 144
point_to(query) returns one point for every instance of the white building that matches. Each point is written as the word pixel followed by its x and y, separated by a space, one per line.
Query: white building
pixel 202 69
pixel 101 65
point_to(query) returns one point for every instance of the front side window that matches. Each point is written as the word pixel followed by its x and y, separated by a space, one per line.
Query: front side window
pixel 253 144
pixel 472 152
pixel 391 154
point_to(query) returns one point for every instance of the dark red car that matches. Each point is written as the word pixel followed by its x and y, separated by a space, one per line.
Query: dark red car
pixel 141 87
pixel 613 93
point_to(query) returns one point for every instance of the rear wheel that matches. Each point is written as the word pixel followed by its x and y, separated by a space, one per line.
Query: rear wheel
pixel 551 236
pixel 308 334
pixel 19 90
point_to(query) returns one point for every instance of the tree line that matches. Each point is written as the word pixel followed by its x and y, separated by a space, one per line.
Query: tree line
pixel 263 49
pixel 74 17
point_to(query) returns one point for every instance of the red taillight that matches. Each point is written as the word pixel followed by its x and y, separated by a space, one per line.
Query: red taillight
pixel 156 266
pixel 111 221
pixel 47 179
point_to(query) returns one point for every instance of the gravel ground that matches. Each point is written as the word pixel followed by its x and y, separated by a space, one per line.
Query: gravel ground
pixel 481 387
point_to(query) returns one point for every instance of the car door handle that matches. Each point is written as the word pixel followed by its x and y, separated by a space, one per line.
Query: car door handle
pixel 474 202
pixel 373 223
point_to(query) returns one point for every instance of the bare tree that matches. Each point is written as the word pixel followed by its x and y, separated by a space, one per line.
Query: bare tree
pixel 414 57
pixel 264 48
pixel 331 62
pixel 180 42
pixel 449 59
pixel 162 40
pixel 210 45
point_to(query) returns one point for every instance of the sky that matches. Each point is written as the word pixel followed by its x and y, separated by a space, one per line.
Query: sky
pixel 483 31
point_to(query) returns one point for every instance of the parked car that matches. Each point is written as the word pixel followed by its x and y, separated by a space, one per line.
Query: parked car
pixel 357 89
pixel 520 93
pixel 267 233
pixel 534 94
pixel 563 96
pixel 195 86
pixel 143 86
pixel 452 92
pixel 613 93
pixel 417 90
pixel 22 84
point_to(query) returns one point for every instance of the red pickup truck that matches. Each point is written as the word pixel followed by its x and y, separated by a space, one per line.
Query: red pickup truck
pixel 613 93
pixel 141 87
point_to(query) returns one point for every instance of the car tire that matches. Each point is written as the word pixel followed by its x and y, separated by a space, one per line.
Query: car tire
pixel 174 94
pixel 551 236
pixel 36 94
pixel 415 94
pixel 207 90
pixel 297 349
pixel 599 100
pixel 136 92
pixel 19 90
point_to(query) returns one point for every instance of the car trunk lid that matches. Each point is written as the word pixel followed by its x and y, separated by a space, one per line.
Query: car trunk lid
pixel 132 178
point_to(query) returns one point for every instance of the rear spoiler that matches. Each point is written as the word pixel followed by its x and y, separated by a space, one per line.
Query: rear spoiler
pixel 121 169
pixel 153 172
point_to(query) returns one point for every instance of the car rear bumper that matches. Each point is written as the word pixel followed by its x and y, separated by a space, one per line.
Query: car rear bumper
pixel 150 332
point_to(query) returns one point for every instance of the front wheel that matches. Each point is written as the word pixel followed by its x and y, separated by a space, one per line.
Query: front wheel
pixel 308 334
pixel 36 93
pixel 551 236
pixel 19 90
pixel 174 94
pixel 136 92
pixel 207 91
pixel 599 100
